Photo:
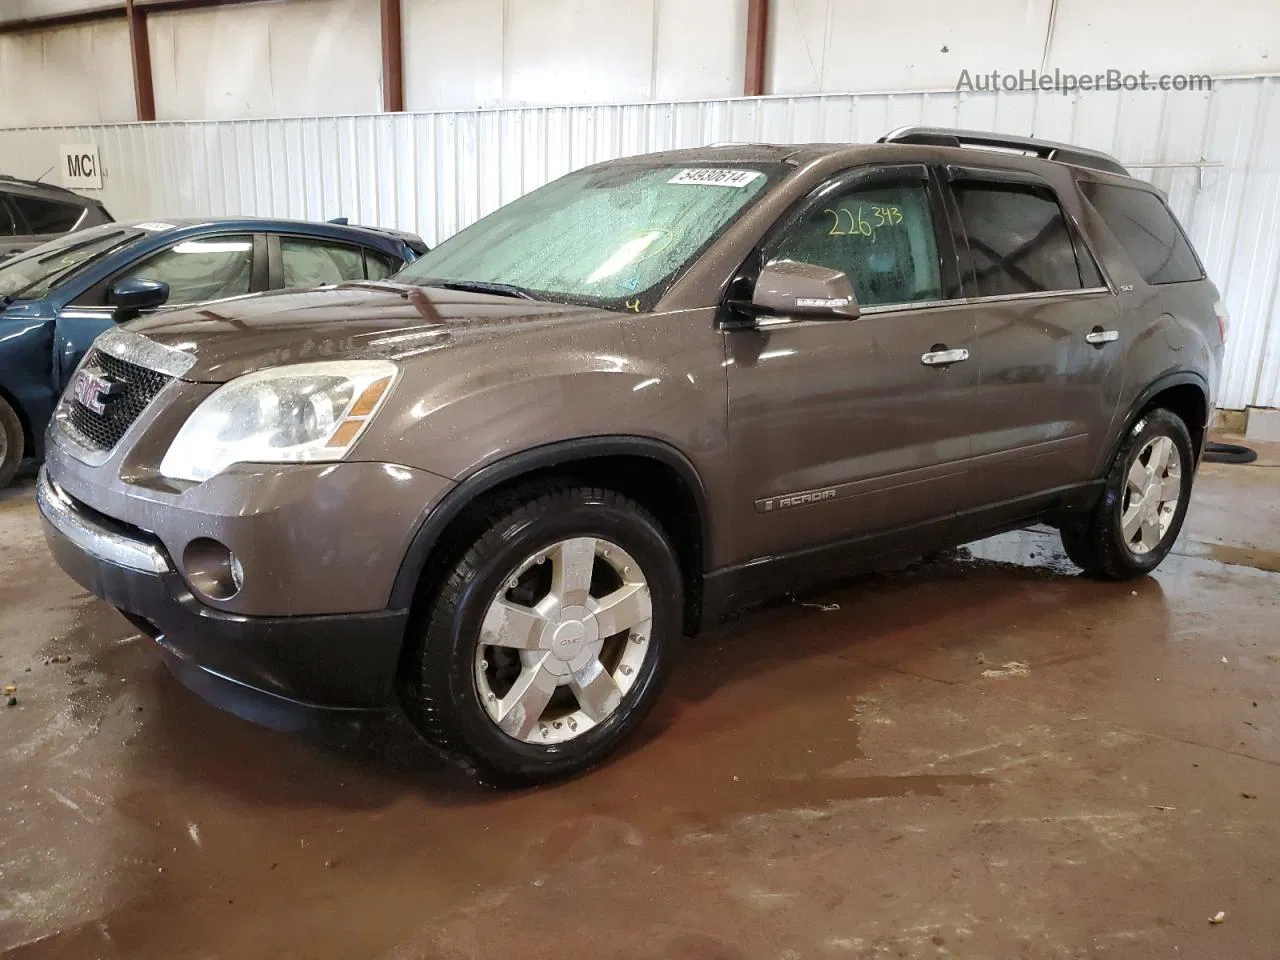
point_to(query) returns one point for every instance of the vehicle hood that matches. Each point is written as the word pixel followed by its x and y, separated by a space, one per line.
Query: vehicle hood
pixel 230 338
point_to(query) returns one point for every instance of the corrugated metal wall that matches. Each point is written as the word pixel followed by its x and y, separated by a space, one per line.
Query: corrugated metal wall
pixel 1215 154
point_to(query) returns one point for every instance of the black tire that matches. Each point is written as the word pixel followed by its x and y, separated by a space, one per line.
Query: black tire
pixel 12 443
pixel 1096 543
pixel 439 689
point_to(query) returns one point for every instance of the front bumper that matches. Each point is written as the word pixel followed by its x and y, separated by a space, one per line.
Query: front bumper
pixel 333 660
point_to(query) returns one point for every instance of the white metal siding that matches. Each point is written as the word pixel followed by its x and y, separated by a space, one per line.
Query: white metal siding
pixel 1215 154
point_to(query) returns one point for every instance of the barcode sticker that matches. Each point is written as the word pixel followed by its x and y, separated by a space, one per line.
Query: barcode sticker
pixel 155 226
pixel 714 177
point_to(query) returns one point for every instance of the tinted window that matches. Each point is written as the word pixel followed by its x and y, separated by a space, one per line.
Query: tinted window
pixel 379 267
pixel 309 263
pixel 46 216
pixel 198 270
pixel 1147 231
pixel 880 235
pixel 8 227
pixel 1018 239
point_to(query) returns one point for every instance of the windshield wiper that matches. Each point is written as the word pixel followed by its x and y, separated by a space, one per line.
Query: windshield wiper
pixel 483 286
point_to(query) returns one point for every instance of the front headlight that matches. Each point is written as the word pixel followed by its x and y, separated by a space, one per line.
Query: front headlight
pixel 303 413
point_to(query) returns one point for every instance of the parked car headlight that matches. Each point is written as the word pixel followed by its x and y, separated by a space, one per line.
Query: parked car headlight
pixel 304 413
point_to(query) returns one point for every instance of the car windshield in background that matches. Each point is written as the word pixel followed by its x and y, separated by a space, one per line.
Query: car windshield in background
pixel 615 236
pixel 35 273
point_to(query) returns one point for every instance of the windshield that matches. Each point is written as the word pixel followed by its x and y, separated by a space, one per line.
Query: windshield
pixel 614 236
pixel 34 274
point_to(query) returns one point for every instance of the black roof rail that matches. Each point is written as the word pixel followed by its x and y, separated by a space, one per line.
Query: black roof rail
pixel 1045 149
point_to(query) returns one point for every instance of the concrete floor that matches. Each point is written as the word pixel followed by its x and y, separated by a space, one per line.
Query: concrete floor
pixel 983 756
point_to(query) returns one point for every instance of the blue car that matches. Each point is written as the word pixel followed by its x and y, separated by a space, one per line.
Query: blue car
pixel 56 299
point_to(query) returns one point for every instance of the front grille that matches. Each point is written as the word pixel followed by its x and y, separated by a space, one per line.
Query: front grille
pixel 102 431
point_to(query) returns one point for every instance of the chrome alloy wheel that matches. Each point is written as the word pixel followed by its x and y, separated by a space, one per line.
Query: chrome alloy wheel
pixel 564 640
pixel 1152 491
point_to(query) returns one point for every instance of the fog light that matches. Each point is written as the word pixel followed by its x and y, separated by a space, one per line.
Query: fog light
pixel 212 569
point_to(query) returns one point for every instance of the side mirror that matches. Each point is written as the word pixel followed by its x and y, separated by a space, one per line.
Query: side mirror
pixel 789 287
pixel 131 297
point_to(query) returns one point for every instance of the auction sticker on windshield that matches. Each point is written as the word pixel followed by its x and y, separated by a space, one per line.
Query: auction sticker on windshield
pixel 712 177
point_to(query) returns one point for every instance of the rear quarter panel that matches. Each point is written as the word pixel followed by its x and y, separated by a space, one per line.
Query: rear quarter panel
pixel 1166 331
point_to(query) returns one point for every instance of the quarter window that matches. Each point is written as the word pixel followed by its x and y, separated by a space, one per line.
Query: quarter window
pixel 199 270
pixel 1147 231
pixel 309 263
pixel 881 235
pixel 1018 240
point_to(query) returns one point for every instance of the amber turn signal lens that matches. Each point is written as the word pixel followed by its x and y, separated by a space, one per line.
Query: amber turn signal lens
pixel 367 402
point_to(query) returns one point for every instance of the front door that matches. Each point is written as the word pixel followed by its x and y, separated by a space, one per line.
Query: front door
pixel 197 269
pixel 841 429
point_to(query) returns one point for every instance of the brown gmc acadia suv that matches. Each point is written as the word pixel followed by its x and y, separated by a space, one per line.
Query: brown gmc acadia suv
pixel 500 488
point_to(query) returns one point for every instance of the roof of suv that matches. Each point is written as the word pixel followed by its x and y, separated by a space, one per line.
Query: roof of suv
pixel 1028 150
pixel 37 188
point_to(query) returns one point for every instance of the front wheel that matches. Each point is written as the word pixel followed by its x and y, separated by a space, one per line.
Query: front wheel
pixel 550 638
pixel 1143 504
pixel 12 443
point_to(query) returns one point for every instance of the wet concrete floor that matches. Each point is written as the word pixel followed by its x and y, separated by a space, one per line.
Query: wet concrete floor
pixel 984 755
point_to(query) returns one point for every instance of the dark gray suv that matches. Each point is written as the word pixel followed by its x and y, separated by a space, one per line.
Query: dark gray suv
pixel 497 490
pixel 32 212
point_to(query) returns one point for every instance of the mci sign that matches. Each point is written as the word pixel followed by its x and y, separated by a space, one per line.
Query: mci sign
pixel 81 168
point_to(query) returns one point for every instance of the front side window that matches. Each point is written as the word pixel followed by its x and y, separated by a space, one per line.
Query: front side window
pixel 1019 241
pixel 310 263
pixel 47 216
pixel 880 235
pixel 615 236
pixel 199 270
pixel 1147 231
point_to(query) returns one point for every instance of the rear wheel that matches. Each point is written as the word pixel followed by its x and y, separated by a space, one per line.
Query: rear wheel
pixel 12 443
pixel 1143 504
pixel 550 638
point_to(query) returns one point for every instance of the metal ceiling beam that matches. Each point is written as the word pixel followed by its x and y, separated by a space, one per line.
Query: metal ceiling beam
pixel 115 11
pixel 757 47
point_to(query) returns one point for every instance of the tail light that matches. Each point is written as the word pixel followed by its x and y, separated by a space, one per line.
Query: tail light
pixel 1224 321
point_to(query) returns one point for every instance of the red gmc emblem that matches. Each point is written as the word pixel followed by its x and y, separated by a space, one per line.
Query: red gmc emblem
pixel 92 391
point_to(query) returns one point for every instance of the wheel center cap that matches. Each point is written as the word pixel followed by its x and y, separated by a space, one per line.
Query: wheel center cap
pixel 568 639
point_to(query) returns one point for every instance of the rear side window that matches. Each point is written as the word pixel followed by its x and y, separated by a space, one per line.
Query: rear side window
pixel 378 266
pixel 309 263
pixel 1147 231
pixel 1018 240
pixel 46 216
pixel 8 227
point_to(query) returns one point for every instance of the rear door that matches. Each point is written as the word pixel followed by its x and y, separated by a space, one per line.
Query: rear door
pixel 299 262
pixel 1048 382
pixel 841 429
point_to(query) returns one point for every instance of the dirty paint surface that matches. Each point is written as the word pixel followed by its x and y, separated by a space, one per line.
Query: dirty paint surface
pixel 983 755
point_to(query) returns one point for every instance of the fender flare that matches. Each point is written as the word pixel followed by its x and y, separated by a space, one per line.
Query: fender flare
pixel 1159 385
pixel 434 522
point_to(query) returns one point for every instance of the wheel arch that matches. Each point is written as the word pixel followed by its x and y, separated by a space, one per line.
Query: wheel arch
pixel 650 471
pixel 1185 393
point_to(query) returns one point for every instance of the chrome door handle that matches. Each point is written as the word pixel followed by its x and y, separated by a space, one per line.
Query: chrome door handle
pixel 943 358
pixel 1099 337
